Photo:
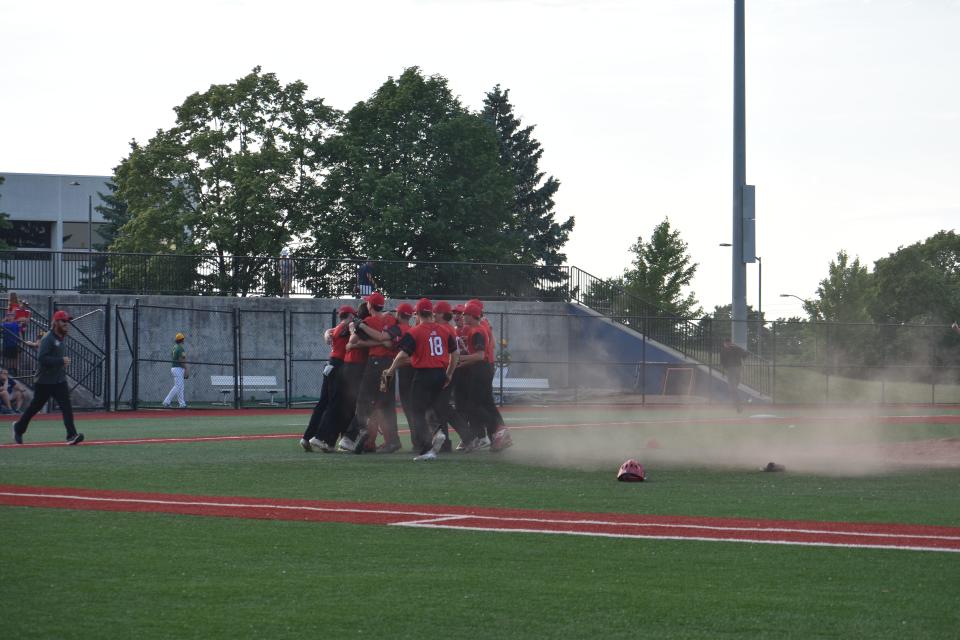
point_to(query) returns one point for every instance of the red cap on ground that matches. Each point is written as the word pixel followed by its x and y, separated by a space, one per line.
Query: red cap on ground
pixel 62 315
pixel 405 308
pixel 376 299
pixel 473 309
pixel 346 309
pixel 442 307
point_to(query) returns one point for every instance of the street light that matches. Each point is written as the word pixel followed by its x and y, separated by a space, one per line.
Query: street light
pixel 790 295
pixel 89 218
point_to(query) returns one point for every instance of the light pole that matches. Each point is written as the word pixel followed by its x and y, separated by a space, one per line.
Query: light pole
pixel 790 295
pixel 759 298
pixel 89 217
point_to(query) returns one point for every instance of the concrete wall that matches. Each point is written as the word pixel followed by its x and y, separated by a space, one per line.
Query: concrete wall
pixel 572 347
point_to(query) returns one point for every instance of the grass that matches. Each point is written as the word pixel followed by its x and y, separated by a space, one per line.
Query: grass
pixel 76 574
pixel 799 385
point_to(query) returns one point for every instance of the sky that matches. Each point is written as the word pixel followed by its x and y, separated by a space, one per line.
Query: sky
pixel 853 106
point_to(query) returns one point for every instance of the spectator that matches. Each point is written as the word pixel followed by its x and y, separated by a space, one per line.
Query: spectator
pixel 365 282
pixel 13 393
pixel 11 340
pixel 286 266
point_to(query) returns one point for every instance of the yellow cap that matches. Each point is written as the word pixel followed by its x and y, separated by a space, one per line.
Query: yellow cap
pixel 179 337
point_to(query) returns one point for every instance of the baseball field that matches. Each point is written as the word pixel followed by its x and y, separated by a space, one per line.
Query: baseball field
pixel 204 524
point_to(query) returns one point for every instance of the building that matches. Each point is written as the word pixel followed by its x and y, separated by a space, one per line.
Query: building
pixel 54 223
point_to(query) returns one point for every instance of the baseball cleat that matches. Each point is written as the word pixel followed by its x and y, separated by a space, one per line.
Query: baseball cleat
pixel 346 444
pixel 424 457
pixel 438 439
pixel 389 447
pixel 483 443
pixel 501 440
pixel 320 446
pixel 305 445
pixel 18 438
pixel 361 442
pixel 75 439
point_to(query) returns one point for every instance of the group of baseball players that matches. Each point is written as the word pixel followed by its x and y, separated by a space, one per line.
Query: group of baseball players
pixel 439 357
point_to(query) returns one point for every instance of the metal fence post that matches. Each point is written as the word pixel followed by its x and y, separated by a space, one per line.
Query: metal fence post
pixel 107 405
pixel 135 378
pixel 237 359
pixel 287 364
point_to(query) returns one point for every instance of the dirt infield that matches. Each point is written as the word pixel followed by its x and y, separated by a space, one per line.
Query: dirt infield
pixel 610 525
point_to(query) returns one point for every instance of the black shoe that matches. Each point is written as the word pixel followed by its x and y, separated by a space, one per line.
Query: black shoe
pixel 76 439
pixel 17 437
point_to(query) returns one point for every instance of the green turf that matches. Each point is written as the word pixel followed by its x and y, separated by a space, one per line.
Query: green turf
pixel 91 574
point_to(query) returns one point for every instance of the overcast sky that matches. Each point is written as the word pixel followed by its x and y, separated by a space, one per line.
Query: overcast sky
pixel 853 106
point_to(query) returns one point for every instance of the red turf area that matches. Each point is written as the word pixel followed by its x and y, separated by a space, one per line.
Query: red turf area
pixel 834 534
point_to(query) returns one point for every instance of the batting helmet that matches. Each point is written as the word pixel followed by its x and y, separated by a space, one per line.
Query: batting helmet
pixel 631 471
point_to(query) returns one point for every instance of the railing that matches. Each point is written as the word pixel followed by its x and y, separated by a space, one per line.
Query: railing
pixel 168 274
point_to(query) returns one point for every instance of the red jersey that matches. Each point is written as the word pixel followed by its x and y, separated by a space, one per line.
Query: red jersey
pixel 429 345
pixel 475 337
pixel 339 347
pixel 488 354
pixel 353 356
pixel 381 323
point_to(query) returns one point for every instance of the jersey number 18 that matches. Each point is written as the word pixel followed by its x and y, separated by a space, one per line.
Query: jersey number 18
pixel 436 346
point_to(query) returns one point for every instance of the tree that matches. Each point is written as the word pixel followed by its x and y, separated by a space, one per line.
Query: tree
pixel 540 238
pixel 920 283
pixel 416 176
pixel 845 295
pixel 238 175
pixel 661 271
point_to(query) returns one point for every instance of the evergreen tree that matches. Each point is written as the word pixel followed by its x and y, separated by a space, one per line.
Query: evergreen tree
pixel 661 271
pixel 540 237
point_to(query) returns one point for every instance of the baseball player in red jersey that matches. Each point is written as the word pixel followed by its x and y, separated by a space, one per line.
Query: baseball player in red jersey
pixel 370 335
pixel 501 438
pixel 354 363
pixel 402 315
pixel 432 352
pixel 329 389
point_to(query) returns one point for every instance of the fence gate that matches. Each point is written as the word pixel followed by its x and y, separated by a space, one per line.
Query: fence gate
pixel 123 358
pixel 263 376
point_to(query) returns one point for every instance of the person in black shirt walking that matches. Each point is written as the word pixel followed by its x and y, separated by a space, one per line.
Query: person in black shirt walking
pixel 51 381
pixel 731 359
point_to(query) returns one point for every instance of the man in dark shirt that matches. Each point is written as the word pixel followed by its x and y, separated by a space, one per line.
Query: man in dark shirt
pixel 731 360
pixel 51 381
pixel 365 282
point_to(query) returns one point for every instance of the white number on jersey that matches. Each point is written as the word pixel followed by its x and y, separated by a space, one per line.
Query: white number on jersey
pixel 436 345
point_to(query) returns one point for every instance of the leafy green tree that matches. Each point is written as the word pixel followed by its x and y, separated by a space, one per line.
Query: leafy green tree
pixel 238 175
pixel 920 283
pixel 540 238
pixel 661 271
pixel 846 294
pixel 416 176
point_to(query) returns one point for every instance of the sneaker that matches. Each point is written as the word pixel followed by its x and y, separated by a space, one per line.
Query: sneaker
pixel 438 440
pixel 166 406
pixel 17 437
pixel 346 444
pixel 483 443
pixel 389 447
pixel 501 440
pixel 76 439
pixel 361 441
pixel 306 445
pixel 461 446
pixel 469 447
pixel 320 446
pixel 424 457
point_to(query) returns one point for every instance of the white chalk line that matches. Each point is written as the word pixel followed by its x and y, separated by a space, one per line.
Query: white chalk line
pixel 432 519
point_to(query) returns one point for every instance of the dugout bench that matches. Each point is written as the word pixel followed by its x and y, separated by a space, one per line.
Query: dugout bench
pixel 226 385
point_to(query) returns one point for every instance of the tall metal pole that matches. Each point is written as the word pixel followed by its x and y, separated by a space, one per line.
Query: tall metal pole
pixel 90 223
pixel 759 306
pixel 739 267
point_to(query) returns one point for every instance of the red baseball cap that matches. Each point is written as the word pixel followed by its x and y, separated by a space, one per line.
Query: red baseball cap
pixel 458 308
pixel 376 299
pixel 346 309
pixel 477 302
pixel 62 315
pixel 405 308
pixel 442 307
pixel 423 304
pixel 473 309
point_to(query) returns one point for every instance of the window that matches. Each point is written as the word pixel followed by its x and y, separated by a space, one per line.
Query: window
pixel 28 234
pixel 76 234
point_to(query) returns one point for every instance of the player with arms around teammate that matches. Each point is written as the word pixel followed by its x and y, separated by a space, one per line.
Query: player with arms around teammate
pixel 51 381
pixel 432 352
pixel 329 389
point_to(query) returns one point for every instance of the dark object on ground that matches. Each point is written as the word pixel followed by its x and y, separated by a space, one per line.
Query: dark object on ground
pixel 773 466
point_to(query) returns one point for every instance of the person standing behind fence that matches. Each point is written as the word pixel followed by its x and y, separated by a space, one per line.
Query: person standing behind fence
pixel 731 360
pixel 11 341
pixel 287 268
pixel 365 282
pixel 51 381
pixel 179 371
